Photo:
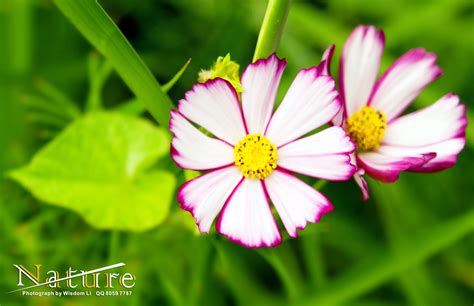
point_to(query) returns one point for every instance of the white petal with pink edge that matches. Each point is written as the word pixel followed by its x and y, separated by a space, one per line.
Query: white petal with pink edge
pixel 403 81
pixel 191 149
pixel 445 154
pixel 247 219
pixel 324 68
pixel 296 202
pixel 359 66
pixel 260 82
pixel 310 102
pixel 214 106
pixel 387 168
pixel 359 179
pixel 443 120
pixel 339 118
pixel 323 155
pixel 438 128
pixel 205 195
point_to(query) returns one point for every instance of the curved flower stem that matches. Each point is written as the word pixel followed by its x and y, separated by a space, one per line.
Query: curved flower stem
pixel 272 28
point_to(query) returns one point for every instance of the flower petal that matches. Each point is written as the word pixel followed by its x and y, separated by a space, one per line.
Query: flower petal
pixel 310 102
pixel 324 68
pixel 296 202
pixel 359 179
pixel 403 81
pixel 446 155
pixel 443 120
pixel 339 118
pixel 438 128
pixel 247 219
pixel 444 152
pixel 387 168
pixel 323 155
pixel 359 65
pixel 214 106
pixel 205 195
pixel 191 149
pixel 260 82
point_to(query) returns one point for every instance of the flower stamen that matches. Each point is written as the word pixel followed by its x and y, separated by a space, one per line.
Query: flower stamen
pixel 255 156
pixel 366 128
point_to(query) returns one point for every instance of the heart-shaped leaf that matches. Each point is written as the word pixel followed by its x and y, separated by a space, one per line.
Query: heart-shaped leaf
pixel 98 167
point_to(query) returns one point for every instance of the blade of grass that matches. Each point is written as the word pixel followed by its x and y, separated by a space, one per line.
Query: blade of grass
pixel 47 119
pixel 20 35
pixel 40 104
pixel 134 107
pixel 383 265
pixel 272 28
pixel 240 279
pixel 313 252
pixel 94 23
pixel 314 260
pixel 400 218
pixel 283 260
pixel 58 98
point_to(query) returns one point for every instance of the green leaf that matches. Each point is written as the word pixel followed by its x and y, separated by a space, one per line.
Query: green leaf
pixel 99 167
pixel 94 23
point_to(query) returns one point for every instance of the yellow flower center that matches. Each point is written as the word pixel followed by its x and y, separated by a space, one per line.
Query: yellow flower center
pixel 366 128
pixel 255 156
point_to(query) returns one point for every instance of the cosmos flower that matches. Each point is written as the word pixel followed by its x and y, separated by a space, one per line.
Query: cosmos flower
pixel 254 151
pixel 427 140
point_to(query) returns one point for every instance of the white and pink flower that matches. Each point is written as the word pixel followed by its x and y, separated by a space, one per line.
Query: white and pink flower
pixel 427 140
pixel 253 152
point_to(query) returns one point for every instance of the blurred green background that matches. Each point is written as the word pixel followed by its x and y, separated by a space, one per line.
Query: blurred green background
pixel 412 243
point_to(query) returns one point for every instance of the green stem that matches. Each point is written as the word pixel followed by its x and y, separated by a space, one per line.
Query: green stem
pixel 272 28
pixel 99 72
pixel 94 23
pixel 114 241
pixel 286 267
pixel 313 257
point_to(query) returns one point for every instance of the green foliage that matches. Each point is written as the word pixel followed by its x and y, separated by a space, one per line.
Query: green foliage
pixel 134 107
pixel 99 167
pixel 94 23
pixel 410 244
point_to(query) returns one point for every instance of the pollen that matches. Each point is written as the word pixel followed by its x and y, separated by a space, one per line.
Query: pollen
pixel 366 128
pixel 255 156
